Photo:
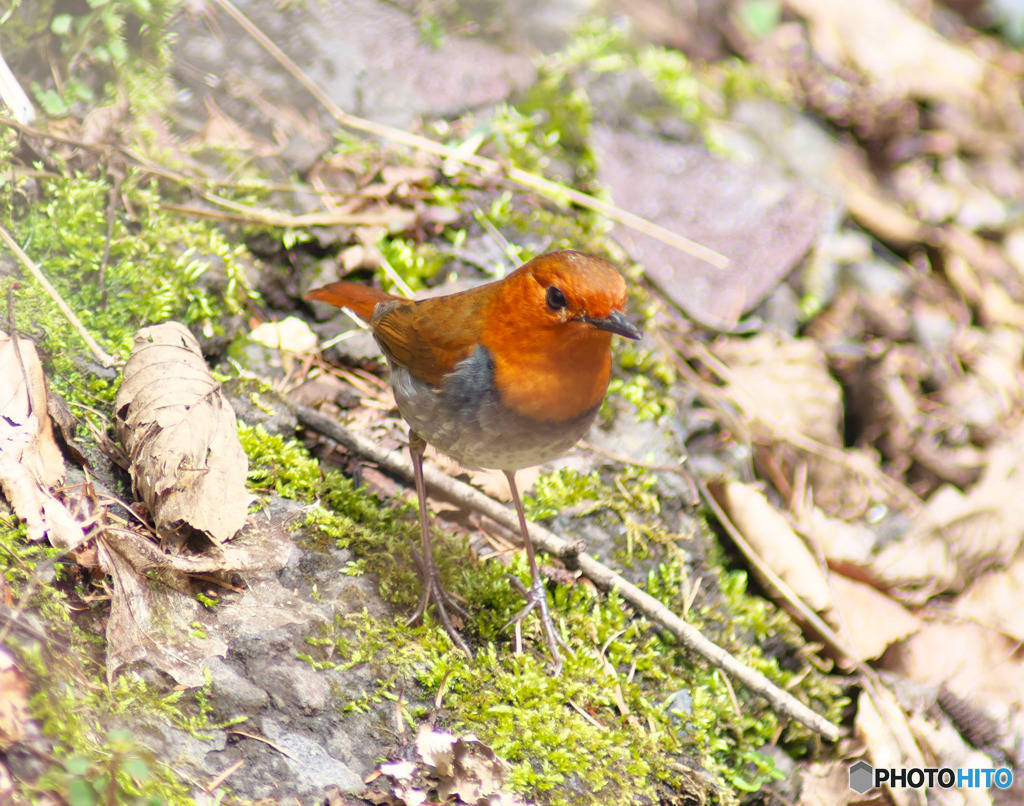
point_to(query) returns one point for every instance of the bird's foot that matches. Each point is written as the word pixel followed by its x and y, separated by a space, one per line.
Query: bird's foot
pixel 536 597
pixel 434 592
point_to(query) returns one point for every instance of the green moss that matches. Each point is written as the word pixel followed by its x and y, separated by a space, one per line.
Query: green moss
pixel 158 267
pixel 279 465
pixel 554 492
pixel 646 382
pixel 124 775
pixel 88 48
pixel 82 716
pixel 90 752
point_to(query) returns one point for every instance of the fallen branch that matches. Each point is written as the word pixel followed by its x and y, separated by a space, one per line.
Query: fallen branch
pixel 600 574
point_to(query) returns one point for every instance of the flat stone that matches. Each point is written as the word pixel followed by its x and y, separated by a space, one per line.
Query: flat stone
pixel 370 58
pixel 310 763
pixel 760 219
pixel 233 694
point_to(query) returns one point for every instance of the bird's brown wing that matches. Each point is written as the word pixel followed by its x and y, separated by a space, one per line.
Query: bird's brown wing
pixel 431 336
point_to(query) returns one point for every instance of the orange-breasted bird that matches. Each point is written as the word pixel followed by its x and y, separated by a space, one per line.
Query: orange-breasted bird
pixel 504 376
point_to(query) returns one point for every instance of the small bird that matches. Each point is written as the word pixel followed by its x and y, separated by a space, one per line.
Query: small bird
pixel 504 376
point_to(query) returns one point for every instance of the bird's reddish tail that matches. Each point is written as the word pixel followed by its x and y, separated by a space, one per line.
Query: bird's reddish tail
pixel 357 297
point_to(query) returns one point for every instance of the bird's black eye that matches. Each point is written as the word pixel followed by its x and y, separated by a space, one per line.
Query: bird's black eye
pixel 556 299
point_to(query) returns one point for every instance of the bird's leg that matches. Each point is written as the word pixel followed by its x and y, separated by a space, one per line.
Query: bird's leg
pixel 537 596
pixel 433 590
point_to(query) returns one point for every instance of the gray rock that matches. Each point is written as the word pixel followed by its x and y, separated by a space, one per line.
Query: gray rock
pixel 232 693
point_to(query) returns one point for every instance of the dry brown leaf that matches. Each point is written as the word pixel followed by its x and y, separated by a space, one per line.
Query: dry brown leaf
pixel 30 460
pixel 993 387
pixel 462 770
pixel 838 541
pixel 784 386
pixel 871 205
pixel 14 694
pixel 789 399
pixel 775 542
pixel 180 433
pixel 977 663
pixel 946 748
pixel 912 59
pixel 154 622
pixel 24 403
pixel 467 768
pixel 255 549
pixel 883 728
pixel 867 620
pixel 955 537
pixel 154 615
pixel 996 599
pixel 828 784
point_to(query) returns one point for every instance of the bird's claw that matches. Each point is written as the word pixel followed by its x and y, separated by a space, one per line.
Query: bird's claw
pixel 537 599
pixel 433 591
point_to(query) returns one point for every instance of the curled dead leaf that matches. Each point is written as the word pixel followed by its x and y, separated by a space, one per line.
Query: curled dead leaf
pixel 30 460
pixel 154 614
pixel 179 430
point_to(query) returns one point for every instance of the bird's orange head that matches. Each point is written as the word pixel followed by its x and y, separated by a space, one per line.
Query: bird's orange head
pixel 549 330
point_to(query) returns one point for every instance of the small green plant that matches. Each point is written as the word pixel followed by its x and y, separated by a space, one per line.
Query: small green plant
pixel 117 778
pixel 415 263
pixel 103 40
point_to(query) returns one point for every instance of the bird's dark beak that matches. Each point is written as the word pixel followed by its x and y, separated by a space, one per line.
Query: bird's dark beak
pixel 616 322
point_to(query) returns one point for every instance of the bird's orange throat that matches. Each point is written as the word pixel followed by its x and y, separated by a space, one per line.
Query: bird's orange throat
pixel 557 378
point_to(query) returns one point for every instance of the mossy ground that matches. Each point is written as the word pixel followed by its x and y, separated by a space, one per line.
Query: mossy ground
pixel 629 705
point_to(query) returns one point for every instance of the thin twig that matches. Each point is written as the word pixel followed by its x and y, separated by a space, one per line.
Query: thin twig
pixel 101 355
pixel 274 218
pixel 602 576
pixel 227 773
pixel 552 190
